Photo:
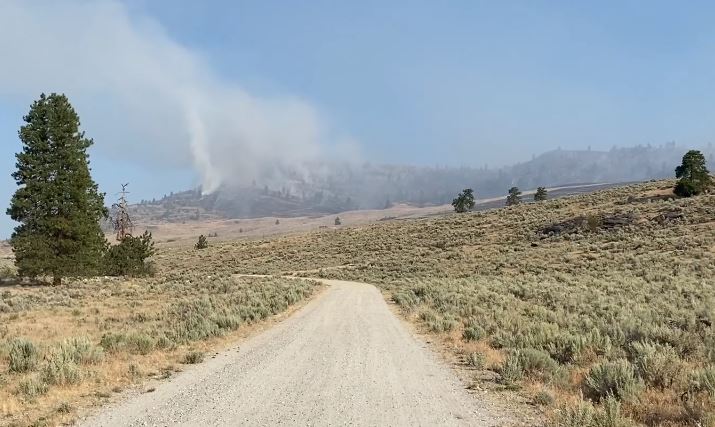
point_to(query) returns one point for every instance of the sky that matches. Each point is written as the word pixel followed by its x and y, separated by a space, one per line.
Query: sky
pixel 181 93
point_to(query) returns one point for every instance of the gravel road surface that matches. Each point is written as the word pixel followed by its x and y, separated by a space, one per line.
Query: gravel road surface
pixel 343 359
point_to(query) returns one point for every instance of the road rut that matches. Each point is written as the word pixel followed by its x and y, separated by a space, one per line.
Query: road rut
pixel 343 359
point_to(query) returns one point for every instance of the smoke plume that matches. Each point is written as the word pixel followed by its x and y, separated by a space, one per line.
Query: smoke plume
pixel 144 96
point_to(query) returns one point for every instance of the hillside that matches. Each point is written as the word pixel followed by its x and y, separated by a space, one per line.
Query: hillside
pixel 605 294
pixel 332 188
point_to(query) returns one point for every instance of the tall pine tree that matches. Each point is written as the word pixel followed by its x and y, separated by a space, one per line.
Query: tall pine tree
pixel 57 203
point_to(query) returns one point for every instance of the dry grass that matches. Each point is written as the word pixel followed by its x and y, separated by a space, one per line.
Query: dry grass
pixel 89 339
pixel 622 305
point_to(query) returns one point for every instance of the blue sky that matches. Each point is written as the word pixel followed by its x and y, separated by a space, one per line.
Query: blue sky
pixel 423 82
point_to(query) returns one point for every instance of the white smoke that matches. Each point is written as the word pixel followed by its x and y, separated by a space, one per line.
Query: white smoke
pixel 142 94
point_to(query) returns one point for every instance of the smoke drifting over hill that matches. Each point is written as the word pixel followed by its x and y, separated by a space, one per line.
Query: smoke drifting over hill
pixel 143 95
pixel 337 188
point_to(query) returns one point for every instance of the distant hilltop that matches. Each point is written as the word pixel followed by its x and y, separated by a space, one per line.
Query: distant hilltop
pixel 333 188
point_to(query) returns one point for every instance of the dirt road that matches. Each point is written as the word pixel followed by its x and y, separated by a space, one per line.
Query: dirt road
pixel 343 359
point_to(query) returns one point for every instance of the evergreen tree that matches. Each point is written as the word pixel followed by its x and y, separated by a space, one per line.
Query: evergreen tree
pixel 540 194
pixel 514 197
pixel 202 243
pixel 57 203
pixel 464 201
pixel 694 175
pixel 129 257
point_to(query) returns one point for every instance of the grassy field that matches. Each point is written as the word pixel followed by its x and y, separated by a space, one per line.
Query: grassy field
pixel 64 348
pixel 599 307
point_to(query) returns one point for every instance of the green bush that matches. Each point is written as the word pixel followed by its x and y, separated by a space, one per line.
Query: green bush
pixel 129 257
pixel 584 414
pixel 580 415
pixel 535 363
pixel 658 365
pixel 81 351
pixel 23 355
pixel 473 333
pixel 60 369
pixel 617 379
pixel 703 380
pixel 476 360
pixel 139 343
pixel 32 387
pixel 511 370
pixel 112 342
pixel 543 398
pixel 194 357
pixel 135 342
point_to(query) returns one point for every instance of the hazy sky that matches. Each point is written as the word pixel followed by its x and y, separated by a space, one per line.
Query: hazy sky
pixel 177 93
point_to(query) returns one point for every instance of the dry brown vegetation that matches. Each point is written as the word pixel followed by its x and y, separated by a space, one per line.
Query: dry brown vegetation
pixel 63 348
pixel 606 319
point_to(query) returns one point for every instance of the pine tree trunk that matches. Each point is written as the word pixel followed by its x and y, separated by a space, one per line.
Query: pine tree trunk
pixel 56 281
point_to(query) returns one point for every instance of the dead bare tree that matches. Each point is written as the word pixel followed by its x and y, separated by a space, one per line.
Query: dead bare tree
pixel 122 222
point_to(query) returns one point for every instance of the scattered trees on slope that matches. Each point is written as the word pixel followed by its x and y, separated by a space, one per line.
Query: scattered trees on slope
pixel 202 243
pixel 540 194
pixel 514 197
pixel 693 174
pixel 464 201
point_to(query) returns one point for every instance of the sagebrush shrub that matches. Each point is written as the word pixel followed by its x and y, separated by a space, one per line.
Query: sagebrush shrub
pixel 32 387
pixel 581 414
pixel 658 365
pixel 81 351
pixel 617 379
pixel 703 380
pixel 60 369
pixel 511 370
pixel 473 333
pixel 476 360
pixel 23 355
pixel 535 363
pixel 193 357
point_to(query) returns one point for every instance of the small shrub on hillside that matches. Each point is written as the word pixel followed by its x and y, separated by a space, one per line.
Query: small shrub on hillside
pixel 202 243
pixel 129 257
pixel 139 343
pixel 442 323
pixel 32 387
pixel 617 379
pixel 81 351
pixel 703 380
pixel 584 414
pixel 23 355
pixel 511 370
pixel 581 414
pixel 60 369
pixel 543 398
pixel 535 363
pixel 658 365
pixel 476 360
pixel 112 342
pixel 193 357
pixel 473 332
